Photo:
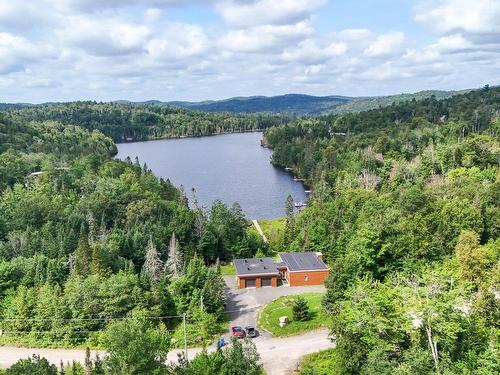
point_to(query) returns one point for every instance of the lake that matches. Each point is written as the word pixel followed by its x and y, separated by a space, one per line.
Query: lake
pixel 230 167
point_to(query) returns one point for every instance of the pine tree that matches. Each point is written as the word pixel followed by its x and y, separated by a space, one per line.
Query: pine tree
pixel 51 274
pixel 98 265
pixel 83 255
pixel 174 262
pixel 212 293
pixel 300 310
pixel 153 266
pixel 92 226
pixel 103 232
pixel 290 221
pixel 40 271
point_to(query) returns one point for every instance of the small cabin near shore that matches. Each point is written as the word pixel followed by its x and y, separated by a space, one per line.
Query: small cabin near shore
pixel 291 269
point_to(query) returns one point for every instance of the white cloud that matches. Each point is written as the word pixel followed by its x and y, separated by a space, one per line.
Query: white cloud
pixel 96 49
pixel 177 42
pixel 353 35
pixel 265 38
pixel 25 15
pixel 99 5
pixel 453 43
pixel 16 53
pixel 105 36
pixel 311 52
pixel 262 12
pixel 452 16
pixel 152 15
pixel 386 44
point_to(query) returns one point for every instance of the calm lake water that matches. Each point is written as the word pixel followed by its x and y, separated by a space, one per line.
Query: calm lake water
pixel 231 167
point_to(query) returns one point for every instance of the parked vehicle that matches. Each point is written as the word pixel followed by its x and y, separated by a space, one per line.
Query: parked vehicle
pixel 221 342
pixel 250 331
pixel 238 332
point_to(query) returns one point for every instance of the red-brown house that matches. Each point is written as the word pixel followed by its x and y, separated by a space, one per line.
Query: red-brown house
pixel 293 269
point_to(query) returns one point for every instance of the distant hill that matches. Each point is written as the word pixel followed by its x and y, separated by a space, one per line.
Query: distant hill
pixel 9 106
pixel 290 104
pixel 373 102
pixel 303 105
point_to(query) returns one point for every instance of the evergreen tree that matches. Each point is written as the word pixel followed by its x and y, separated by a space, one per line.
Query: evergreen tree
pixel 99 266
pixel 300 310
pixel 153 266
pixel 83 255
pixel 290 221
pixel 174 261
pixel 40 271
pixel 212 293
pixel 92 226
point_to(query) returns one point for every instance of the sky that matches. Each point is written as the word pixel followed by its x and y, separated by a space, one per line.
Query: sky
pixel 63 50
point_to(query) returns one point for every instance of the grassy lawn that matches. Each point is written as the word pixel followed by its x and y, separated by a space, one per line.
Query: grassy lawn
pixel 269 316
pixel 227 270
pixel 273 227
pixel 320 363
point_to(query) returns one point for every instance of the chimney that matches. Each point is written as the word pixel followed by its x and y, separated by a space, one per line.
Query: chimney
pixel 319 255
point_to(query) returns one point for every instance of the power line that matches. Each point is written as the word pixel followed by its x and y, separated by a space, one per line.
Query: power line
pixel 87 319
pixel 118 318
pixel 6 332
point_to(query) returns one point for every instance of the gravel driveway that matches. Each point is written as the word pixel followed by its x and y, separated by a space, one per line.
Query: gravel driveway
pixel 243 305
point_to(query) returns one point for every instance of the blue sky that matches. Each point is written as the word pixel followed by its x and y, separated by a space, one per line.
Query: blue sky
pixel 60 50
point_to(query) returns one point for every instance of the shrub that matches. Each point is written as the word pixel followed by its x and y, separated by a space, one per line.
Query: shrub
pixel 33 366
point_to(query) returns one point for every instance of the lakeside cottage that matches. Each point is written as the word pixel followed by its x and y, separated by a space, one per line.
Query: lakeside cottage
pixel 291 269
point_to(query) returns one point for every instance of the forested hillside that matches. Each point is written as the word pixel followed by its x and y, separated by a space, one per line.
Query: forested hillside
pixel 153 119
pixel 405 210
pixel 87 241
pixel 304 105
pixel 374 102
pixel 290 104
pixel 137 122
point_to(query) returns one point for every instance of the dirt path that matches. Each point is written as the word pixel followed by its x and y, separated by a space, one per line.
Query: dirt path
pixel 259 229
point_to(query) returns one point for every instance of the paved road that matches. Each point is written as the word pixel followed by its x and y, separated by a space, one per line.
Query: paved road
pixel 277 354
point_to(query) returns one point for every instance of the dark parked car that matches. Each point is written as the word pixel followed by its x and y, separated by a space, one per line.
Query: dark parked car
pixel 238 332
pixel 251 332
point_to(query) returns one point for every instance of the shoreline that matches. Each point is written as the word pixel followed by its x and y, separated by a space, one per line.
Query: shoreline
pixel 190 136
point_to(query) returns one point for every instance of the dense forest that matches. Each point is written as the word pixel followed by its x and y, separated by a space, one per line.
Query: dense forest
pixel 289 104
pixel 405 210
pixel 138 122
pixel 404 207
pixel 77 229
pixel 362 104
pixel 307 105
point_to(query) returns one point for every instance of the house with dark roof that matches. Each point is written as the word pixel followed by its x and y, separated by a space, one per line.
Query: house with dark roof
pixel 292 269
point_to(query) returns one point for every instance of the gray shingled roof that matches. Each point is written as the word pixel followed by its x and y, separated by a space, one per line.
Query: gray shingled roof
pixel 252 266
pixel 302 261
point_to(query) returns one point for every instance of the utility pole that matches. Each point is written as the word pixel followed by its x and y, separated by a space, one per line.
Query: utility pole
pixel 185 337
